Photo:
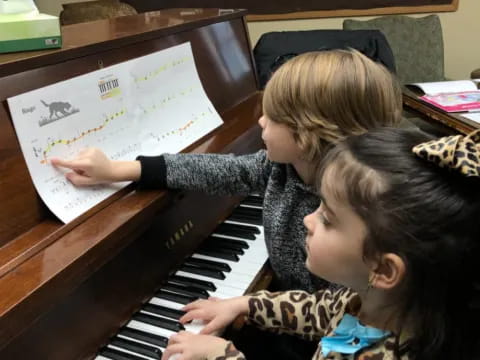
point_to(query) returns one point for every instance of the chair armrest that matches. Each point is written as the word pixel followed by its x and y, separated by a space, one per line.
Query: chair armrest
pixel 475 74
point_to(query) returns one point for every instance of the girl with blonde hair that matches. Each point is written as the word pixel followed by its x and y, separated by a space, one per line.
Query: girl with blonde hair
pixel 313 100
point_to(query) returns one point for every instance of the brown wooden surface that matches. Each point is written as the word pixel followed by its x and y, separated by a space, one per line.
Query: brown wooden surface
pixel 102 35
pixel 456 121
pixel 22 210
pixel 287 10
pixel 66 288
pixel 380 11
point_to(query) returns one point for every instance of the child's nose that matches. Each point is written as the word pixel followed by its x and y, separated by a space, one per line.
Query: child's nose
pixel 307 221
pixel 262 122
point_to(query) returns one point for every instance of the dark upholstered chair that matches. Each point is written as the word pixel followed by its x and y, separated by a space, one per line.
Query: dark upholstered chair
pixel 274 48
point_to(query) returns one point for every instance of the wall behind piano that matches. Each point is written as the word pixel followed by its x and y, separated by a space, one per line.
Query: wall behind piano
pixel 461 30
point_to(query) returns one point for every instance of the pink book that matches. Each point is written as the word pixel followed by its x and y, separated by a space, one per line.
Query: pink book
pixel 452 96
pixel 455 102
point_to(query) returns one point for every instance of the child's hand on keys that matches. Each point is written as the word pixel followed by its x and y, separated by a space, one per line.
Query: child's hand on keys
pixel 188 346
pixel 216 314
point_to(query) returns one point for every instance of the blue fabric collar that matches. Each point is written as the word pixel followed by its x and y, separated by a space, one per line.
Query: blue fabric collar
pixel 350 336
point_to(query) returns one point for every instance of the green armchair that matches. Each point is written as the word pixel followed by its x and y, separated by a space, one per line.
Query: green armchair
pixel 417 44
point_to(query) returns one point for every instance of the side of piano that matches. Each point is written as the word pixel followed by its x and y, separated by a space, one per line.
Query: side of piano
pixel 67 289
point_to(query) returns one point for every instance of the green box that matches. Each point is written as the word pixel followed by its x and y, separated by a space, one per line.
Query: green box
pixel 29 31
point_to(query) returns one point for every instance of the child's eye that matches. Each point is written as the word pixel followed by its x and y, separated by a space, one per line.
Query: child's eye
pixel 323 218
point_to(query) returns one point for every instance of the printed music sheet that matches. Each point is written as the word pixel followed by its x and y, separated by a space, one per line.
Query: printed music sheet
pixel 149 105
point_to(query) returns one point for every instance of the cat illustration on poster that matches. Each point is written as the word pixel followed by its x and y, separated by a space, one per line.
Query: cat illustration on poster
pixel 57 110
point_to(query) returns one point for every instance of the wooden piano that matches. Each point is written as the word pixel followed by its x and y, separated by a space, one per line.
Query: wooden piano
pixel 66 289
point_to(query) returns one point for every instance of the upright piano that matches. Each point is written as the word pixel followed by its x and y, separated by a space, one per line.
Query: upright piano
pixel 70 291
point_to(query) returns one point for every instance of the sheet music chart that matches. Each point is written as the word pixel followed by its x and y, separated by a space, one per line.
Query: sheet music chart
pixel 149 105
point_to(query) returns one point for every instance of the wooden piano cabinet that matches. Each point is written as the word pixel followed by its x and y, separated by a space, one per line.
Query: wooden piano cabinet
pixel 65 288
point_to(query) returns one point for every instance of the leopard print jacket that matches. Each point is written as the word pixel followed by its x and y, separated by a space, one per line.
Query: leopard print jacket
pixel 310 316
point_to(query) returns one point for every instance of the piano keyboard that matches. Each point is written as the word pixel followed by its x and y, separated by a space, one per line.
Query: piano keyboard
pixel 223 266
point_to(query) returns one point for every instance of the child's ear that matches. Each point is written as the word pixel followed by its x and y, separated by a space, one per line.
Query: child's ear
pixel 389 272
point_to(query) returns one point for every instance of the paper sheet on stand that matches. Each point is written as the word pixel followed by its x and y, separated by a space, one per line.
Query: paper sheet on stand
pixel 149 105
pixel 475 116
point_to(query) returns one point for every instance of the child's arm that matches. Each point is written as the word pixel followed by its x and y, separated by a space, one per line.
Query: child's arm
pixel 297 312
pixel 92 167
pixel 211 173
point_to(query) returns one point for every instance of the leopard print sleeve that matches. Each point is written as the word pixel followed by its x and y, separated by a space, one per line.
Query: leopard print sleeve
pixel 226 352
pixel 297 312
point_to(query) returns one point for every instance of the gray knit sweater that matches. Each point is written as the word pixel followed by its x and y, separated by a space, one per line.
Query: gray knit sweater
pixel 287 199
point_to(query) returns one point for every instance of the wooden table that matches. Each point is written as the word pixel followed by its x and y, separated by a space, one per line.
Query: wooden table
pixel 455 121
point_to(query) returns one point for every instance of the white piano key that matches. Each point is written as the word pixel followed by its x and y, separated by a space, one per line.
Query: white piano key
pixel 251 206
pixel 194 327
pixel 129 352
pixel 135 324
pixel 168 304
pixel 140 341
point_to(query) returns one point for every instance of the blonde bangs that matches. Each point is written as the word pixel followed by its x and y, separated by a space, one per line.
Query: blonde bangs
pixel 329 95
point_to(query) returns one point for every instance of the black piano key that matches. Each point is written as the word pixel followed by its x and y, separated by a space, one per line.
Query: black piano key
pixel 250 212
pixel 214 274
pixel 136 347
pixel 240 244
pixel 247 211
pixel 186 290
pixel 237 230
pixel 158 322
pixel 223 247
pixel 118 355
pixel 178 298
pixel 208 264
pixel 158 340
pixel 218 253
pixel 245 219
pixel 240 227
pixel 163 311
pixel 222 230
pixel 253 201
pixel 206 285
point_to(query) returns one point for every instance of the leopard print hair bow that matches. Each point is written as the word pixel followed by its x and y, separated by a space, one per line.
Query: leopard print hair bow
pixel 458 152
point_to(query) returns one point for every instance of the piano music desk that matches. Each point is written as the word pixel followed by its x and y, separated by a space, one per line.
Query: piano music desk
pixel 67 288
